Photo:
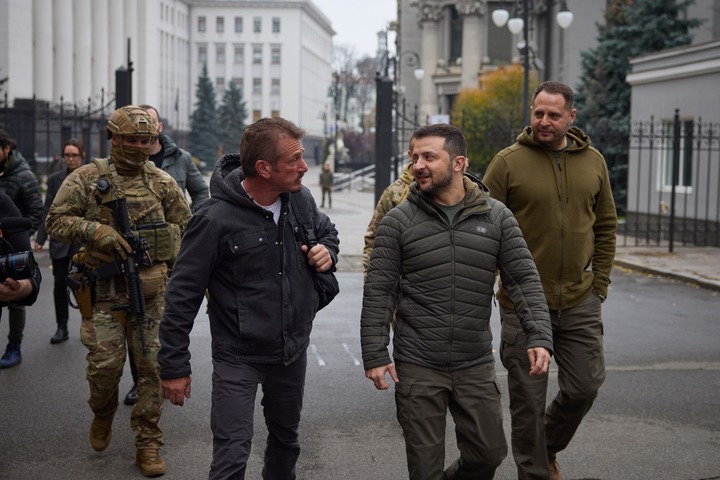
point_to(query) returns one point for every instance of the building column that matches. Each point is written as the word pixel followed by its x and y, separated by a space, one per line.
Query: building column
pixel 82 42
pixel 430 15
pixel 62 71
pixel 42 49
pixel 472 41
pixel 117 43
pixel 100 49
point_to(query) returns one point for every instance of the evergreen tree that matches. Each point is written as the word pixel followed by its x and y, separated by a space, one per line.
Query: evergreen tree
pixel 603 96
pixel 231 119
pixel 203 135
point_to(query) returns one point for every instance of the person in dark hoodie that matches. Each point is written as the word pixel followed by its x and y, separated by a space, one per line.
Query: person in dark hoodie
pixel 558 187
pixel 243 246
pixel 433 265
pixel 20 184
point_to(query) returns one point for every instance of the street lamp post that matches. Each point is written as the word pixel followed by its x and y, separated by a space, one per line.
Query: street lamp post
pixel 516 24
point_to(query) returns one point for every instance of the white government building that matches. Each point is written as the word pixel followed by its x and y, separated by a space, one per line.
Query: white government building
pixel 278 52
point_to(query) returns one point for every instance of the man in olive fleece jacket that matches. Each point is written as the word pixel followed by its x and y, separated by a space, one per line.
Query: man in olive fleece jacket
pixel 558 187
pixel 433 265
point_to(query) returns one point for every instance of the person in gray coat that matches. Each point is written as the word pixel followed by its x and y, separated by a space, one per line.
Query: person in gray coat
pixel 433 265
pixel 61 253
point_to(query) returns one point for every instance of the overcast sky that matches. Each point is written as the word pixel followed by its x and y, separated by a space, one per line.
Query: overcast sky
pixel 356 22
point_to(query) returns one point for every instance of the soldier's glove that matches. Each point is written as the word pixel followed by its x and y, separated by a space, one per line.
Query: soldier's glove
pixel 107 239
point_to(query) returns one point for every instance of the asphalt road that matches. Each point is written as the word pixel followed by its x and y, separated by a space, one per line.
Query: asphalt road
pixel 657 416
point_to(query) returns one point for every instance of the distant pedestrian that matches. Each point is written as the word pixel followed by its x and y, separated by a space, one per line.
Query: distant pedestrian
pixel 61 253
pixel 326 184
pixel 558 187
pixel 433 267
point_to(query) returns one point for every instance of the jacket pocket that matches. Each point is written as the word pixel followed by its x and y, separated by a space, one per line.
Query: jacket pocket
pixel 249 256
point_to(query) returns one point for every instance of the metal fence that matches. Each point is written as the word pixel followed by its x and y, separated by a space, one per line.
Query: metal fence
pixel 673 183
pixel 665 174
pixel 40 128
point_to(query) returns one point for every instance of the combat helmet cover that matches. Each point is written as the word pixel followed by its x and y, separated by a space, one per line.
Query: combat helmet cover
pixel 133 121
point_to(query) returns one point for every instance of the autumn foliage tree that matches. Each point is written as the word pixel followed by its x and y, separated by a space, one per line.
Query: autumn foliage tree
pixel 491 116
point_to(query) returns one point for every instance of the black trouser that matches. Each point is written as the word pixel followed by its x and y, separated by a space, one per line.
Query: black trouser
pixel 231 417
pixel 60 294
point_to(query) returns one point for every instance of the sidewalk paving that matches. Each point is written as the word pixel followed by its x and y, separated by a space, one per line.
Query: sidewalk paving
pixel 353 208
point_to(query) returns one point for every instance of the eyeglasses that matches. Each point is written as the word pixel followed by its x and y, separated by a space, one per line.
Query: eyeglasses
pixel 71 155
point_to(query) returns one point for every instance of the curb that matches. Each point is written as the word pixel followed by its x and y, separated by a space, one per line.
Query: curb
pixel 682 277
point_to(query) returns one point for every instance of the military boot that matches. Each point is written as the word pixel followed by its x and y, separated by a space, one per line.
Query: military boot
pixel 62 332
pixel 100 433
pixel 149 461
pixel 12 356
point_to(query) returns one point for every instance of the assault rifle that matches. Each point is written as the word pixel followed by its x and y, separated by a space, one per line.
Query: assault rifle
pixel 129 268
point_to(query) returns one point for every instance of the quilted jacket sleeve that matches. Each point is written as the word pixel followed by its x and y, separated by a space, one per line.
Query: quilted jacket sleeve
pixel 380 293
pixel 520 276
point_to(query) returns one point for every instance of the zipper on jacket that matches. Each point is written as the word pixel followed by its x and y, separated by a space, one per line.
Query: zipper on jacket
pixel 563 196
pixel 452 292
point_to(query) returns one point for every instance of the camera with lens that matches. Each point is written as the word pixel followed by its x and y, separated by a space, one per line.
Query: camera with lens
pixel 17 266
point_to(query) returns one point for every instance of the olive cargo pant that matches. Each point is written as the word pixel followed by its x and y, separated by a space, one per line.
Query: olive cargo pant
pixel 539 434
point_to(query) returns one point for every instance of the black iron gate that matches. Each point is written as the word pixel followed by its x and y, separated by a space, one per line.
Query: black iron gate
pixel 40 128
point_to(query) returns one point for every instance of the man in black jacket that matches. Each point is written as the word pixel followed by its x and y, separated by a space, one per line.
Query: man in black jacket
pixel 244 246
pixel 14 239
pixel 20 184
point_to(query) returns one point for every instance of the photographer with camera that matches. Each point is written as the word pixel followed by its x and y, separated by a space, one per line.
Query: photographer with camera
pixel 20 274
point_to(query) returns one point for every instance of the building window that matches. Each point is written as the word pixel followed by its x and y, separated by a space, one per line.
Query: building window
pixel 456 34
pixel 239 55
pixel 238 82
pixel 257 24
pixel 220 24
pixel 257 86
pixel 684 180
pixel 220 54
pixel 256 115
pixel 202 24
pixel 257 54
pixel 275 55
pixel 276 25
pixel 220 84
pixel 238 25
pixel 275 86
pixel 202 54
pixel 275 113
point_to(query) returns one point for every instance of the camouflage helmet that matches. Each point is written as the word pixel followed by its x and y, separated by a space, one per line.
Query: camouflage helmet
pixel 131 120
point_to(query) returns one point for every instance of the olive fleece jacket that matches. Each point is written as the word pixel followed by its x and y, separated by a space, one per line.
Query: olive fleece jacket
pixel 564 204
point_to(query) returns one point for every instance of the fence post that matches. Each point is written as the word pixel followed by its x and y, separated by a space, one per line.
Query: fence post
pixel 675 175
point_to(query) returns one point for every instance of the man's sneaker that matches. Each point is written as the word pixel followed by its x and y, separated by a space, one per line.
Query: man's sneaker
pixel 100 433
pixel 149 461
pixel 555 471
pixel 131 396
pixel 12 356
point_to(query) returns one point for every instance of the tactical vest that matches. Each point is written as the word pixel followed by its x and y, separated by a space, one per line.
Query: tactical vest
pixel 145 209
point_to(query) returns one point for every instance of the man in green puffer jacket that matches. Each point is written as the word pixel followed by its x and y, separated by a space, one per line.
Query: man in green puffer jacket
pixel 558 187
pixel 433 265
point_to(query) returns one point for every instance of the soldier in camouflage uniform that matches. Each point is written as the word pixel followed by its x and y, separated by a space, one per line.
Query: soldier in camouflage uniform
pixel 158 211
pixel 390 198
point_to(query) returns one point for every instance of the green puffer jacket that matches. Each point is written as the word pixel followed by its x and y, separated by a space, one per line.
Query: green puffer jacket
pixel 438 278
pixel 20 184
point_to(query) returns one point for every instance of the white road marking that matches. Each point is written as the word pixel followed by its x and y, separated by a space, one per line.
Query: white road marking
pixel 314 351
pixel 354 358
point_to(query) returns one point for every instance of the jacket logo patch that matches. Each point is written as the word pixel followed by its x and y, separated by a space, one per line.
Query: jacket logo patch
pixel 480 229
